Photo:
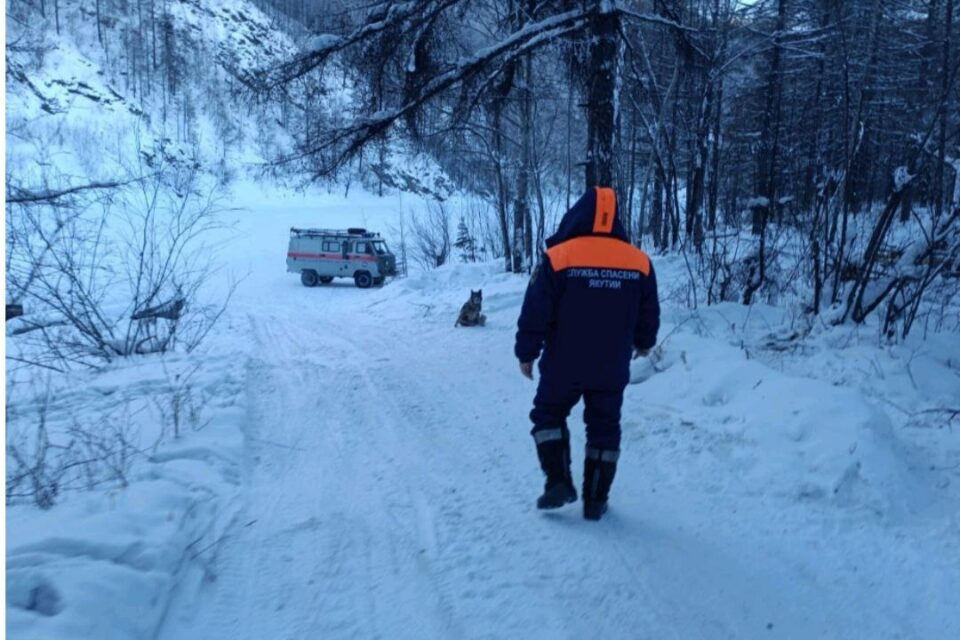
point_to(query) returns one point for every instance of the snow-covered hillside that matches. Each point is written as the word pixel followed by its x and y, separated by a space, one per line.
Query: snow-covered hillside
pixel 170 85
pixel 91 102
pixel 364 469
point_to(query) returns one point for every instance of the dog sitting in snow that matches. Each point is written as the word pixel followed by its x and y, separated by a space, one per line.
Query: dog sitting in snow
pixel 470 315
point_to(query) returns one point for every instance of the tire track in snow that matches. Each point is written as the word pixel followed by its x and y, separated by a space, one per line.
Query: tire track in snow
pixel 314 560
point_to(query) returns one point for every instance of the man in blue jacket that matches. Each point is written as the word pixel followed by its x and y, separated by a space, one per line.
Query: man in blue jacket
pixel 590 304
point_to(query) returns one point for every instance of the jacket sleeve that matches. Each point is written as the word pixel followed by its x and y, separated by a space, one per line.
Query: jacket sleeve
pixel 648 320
pixel 537 314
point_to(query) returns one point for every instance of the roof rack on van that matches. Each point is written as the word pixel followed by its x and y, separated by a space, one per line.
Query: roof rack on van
pixel 352 232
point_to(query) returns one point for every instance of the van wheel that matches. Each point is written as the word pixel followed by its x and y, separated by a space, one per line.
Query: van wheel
pixel 308 277
pixel 363 279
pixel 326 279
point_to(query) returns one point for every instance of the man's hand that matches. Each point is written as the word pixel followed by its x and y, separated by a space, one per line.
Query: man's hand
pixel 640 353
pixel 526 368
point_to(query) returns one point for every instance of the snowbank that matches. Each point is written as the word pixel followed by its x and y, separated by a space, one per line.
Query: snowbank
pixel 795 438
pixel 104 564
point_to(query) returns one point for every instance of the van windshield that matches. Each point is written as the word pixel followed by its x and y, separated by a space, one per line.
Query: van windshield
pixel 380 247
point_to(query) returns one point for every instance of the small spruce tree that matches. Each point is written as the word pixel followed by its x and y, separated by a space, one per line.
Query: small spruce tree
pixel 465 243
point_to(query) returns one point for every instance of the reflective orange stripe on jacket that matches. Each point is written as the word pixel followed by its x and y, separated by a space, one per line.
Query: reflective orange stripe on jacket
pixel 598 252
pixel 606 206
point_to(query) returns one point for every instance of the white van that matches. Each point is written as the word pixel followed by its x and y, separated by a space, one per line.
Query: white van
pixel 320 255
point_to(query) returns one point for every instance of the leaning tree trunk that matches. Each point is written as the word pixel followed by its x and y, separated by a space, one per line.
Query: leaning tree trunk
pixel 602 95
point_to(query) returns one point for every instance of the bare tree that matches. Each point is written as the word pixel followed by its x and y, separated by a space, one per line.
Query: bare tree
pixel 100 285
pixel 431 236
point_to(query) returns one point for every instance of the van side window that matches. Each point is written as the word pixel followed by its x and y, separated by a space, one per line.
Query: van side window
pixel 362 247
pixel 331 246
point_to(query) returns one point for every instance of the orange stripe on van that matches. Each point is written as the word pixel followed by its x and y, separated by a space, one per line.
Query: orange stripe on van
pixel 606 209
pixel 601 253
pixel 335 257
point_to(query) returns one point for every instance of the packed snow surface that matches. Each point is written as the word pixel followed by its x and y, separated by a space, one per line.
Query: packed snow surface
pixel 377 479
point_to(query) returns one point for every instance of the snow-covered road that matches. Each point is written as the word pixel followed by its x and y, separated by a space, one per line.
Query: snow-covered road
pixel 390 493
pixel 389 486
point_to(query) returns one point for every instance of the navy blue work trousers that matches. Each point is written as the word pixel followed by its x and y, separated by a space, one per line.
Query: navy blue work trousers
pixel 601 413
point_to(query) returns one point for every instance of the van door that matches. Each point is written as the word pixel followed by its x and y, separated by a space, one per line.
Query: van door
pixel 345 269
pixel 330 258
pixel 363 254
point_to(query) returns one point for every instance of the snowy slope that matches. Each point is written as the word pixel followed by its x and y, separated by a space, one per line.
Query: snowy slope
pixel 81 110
pixel 75 103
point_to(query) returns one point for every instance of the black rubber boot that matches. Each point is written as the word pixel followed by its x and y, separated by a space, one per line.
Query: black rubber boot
pixel 553 449
pixel 599 468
